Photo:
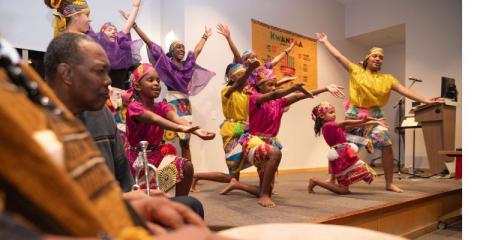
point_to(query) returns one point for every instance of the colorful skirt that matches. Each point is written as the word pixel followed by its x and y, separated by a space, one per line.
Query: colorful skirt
pixel 231 131
pixel 347 167
pixel 182 106
pixel 375 134
pixel 256 148
pixel 166 168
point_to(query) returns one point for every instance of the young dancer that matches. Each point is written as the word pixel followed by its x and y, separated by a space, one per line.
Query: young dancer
pixel 260 145
pixel 369 92
pixel 146 120
pixel 183 78
pixel 344 163
pixel 235 110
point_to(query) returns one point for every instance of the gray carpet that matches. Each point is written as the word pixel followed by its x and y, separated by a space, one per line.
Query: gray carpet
pixel 295 204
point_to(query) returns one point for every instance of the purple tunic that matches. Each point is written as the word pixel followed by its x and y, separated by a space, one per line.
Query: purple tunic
pixel 123 53
pixel 188 77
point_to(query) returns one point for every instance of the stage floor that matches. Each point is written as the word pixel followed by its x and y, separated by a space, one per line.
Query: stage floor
pixel 295 204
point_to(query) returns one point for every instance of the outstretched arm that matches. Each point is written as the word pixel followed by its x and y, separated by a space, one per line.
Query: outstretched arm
pixel 152 118
pixel 201 133
pixel 225 31
pixel 133 15
pixel 335 90
pixel 203 40
pixel 137 29
pixel 362 122
pixel 409 93
pixel 240 83
pixel 278 93
pixel 284 53
pixel 323 38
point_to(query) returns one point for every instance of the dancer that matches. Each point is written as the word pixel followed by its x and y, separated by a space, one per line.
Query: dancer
pixel 183 78
pixel 266 108
pixel 235 110
pixel 146 120
pixel 369 92
pixel 343 162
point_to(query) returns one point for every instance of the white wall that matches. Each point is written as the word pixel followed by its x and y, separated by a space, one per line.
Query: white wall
pixel 433 46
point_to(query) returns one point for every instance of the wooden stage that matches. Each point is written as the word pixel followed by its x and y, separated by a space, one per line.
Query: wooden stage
pixel 410 214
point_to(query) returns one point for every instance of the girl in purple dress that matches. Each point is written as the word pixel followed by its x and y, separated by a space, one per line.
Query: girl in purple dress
pixel 260 144
pixel 344 164
pixel 122 52
pixel 146 120
pixel 184 78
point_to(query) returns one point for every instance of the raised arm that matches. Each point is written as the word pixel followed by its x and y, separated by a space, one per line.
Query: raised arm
pixel 225 31
pixel 335 90
pixel 152 118
pixel 323 38
pixel 240 83
pixel 201 133
pixel 137 29
pixel 409 93
pixel 284 53
pixel 203 40
pixel 133 15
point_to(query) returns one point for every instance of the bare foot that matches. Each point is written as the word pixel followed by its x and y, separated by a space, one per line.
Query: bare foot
pixel 394 188
pixel 311 184
pixel 229 187
pixel 194 185
pixel 265 201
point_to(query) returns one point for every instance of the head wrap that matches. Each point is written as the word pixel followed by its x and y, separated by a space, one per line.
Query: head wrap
pixel 233 71
pixel 137 74
pixel 263 75
pixel 64 9
pixel 173 45
pixel 106 25
pixel 246 54
pixel 372 51
pixel 320 110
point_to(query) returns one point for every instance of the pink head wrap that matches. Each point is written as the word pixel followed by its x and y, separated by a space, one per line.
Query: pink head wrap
pixel 137 75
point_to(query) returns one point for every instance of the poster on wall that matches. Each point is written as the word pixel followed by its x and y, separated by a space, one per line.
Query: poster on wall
pixel 269 41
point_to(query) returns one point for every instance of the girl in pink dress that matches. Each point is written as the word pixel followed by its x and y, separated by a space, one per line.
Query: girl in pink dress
pixel 146 120
pixel 343 163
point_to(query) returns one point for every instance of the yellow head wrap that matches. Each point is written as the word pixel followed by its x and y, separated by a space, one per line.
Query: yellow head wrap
pixel 64 9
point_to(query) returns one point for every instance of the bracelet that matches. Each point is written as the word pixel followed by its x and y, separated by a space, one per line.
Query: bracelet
pixel 286 52
pixel 205 36
pixel 134 24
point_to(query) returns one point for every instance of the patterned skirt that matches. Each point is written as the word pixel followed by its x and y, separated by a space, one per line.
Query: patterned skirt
pixel 182 106
pixel 347 167
pixel 256 148
pixel 376 134
pixel 231 132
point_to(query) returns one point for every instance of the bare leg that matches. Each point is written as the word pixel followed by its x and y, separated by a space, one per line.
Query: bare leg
pixel 185 145
pixel 331 179
pixel 327 185
pixel 182 188
pixel 271 166
pixel 387 160
pixel 211 176
pixel 236 185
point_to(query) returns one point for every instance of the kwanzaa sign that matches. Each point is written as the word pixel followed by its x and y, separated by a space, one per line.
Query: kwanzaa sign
pixel 269 41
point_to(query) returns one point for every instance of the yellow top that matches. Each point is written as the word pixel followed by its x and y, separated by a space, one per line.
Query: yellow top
pixel 236 106
pixel 369 89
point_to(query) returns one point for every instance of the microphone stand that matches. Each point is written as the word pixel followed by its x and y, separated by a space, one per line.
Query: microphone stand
pixel 400 104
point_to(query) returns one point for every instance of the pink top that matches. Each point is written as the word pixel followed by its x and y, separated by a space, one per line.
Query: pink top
pixel 333 134
pixel 140 131
pixel 265 118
